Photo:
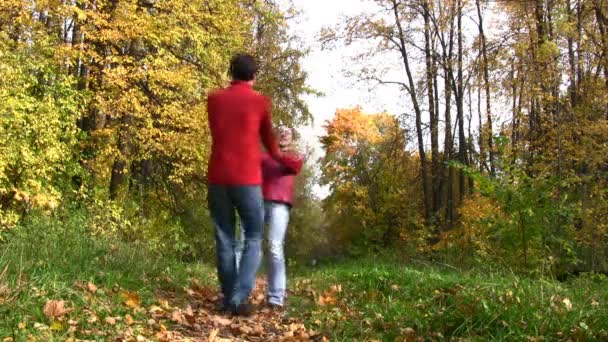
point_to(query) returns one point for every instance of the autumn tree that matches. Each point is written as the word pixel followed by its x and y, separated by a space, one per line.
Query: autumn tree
pixel 126 80
pixel 369 174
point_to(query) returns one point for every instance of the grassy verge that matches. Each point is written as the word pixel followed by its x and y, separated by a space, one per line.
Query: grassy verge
pixel 100 281
pixel 370 300
pixel 109 288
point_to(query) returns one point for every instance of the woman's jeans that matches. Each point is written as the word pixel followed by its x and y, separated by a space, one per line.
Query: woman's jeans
pixel 276 216
pixel 247 200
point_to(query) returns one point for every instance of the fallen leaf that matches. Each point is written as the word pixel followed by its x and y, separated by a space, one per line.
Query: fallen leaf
pixel 410 334
pixel 151 322
pixel 164 303
pixel 243 329
pixel 177 317
pixel 258 330
pixel 213 335
pixel 567 304
pixel 221 320
pixel 54 309
pixel 131 299
pixel 56 326
pixel 155 309
pixel 21 325
pixel 395 287
pixel 91 287
pixel 189 314
pixel 40 326
pixel 92 319
pixel 128 319
pixel 110 320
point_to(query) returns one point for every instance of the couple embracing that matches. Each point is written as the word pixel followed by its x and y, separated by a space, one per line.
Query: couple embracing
pixel 257 185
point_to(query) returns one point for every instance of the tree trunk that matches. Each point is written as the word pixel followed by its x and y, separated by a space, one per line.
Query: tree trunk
pixel 486 80
pixel 462 143
pixel 434 119
pixel 412 92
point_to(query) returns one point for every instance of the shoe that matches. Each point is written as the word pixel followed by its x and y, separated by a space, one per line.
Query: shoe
pixel 276 307
pixel 244 309
pixel 222 308
pixel 279 310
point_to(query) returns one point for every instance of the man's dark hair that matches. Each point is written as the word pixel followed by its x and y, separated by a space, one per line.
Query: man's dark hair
pixel 243 67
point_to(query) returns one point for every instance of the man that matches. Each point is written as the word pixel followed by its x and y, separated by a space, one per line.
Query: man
pixel 238 117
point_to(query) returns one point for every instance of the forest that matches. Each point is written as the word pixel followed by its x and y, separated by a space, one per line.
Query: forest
pixel 479 211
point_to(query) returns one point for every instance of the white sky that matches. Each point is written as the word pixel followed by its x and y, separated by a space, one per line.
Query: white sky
pixel 325 67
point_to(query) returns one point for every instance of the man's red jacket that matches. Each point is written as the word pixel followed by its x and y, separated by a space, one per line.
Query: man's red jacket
pixel 238 117
pixel 279 178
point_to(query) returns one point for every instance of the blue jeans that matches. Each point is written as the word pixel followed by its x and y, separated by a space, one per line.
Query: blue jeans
pixel 247 200
pixel 276 215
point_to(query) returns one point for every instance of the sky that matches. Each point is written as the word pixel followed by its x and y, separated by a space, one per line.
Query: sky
pixel 325 70
pixel 325 67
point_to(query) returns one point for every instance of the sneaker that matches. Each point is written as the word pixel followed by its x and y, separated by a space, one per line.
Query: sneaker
pixel 243 309
pixel 275 307
pixel 222 308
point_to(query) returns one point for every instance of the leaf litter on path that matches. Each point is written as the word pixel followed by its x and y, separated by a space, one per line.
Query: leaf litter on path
pixel 197 319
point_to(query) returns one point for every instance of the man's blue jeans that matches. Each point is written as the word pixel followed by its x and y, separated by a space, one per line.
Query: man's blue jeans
pixel 277 218
pixel 248 202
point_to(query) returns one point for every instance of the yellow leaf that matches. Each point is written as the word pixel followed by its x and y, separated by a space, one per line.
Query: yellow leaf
pixel 567 304
pixel 92 319
pixel 131 299
pixel 213 335
pixel 21 325
pixel 56 326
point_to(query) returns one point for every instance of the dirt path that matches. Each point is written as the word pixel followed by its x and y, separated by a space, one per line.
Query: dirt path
pixel 196 318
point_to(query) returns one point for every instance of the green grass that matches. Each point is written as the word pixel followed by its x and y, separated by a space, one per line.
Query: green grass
pixel 43 260
pixel 389 301
pixel 379 300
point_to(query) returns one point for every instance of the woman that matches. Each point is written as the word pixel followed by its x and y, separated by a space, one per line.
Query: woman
pixel 278 180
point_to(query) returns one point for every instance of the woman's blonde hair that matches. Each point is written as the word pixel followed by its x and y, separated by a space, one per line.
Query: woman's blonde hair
pixel 281 129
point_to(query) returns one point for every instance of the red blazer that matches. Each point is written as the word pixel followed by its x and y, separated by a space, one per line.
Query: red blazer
pixel 238 117
pixel 279 177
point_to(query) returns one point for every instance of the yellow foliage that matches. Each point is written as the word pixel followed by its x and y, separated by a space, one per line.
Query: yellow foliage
pixel 471 231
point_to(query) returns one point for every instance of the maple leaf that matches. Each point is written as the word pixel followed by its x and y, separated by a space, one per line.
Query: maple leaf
pixel 131 299
pixel 55 309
